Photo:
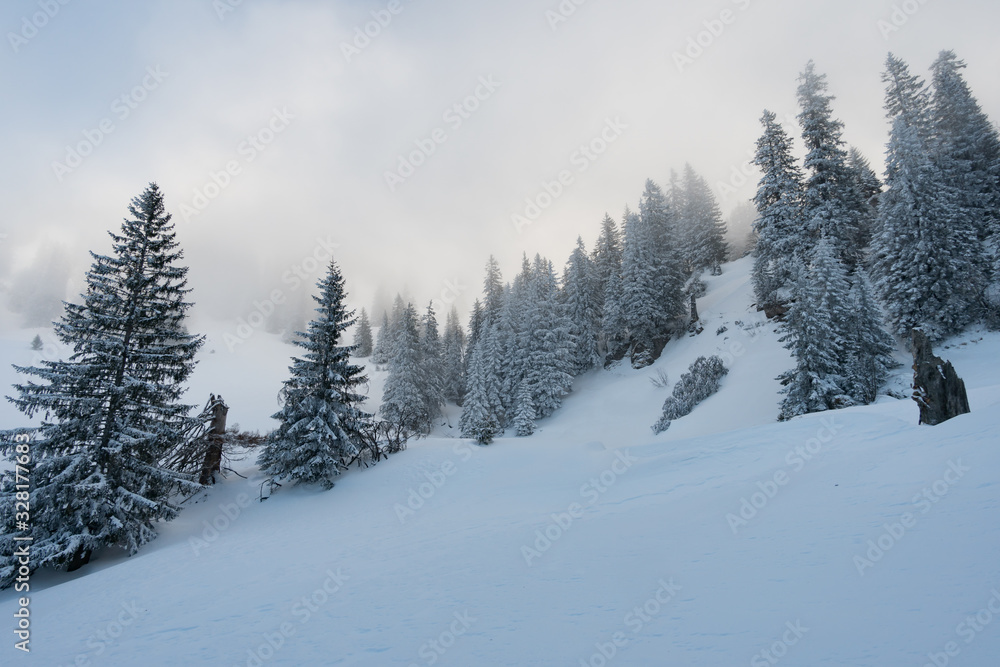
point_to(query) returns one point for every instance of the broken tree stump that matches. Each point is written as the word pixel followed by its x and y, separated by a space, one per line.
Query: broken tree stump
pixel 217 433
pixel 937 389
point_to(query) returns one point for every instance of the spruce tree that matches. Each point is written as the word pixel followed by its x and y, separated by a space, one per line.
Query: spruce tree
pixel 383 344
pixel 432 364
pixel 924 266
pixel 581 303
pixel 665 252
pixel 704 229
pixel 453 363
pixel 967 149
pixel 404 400
pixel 548 345
pixel 111 411
pixel 640 291
pixel 363 337
pixel 524 412
pixel 869 347
pixel 320 423
pixel 831 205
pixel 480 411
pixel 815 333
pixel 781 240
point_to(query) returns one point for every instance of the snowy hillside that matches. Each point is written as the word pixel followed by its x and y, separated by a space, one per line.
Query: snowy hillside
pixel 848 538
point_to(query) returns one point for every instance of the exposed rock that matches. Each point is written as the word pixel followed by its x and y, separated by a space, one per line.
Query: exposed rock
pixel 937 389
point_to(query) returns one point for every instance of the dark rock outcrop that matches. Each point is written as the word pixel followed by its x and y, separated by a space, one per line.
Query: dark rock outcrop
pixel 937 389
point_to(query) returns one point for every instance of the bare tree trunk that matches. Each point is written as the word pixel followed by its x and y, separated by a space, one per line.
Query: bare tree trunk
pixel 213 456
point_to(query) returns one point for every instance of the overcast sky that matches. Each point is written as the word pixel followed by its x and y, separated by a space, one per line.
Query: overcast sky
pixel 173 91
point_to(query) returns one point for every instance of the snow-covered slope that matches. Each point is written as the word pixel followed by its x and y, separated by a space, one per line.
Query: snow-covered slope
pixel 847 538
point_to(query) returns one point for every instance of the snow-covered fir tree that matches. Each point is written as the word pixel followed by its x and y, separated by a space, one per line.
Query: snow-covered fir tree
pixel 481 410
pixel 363 345
pixel 614 328
pixel 453 358
pixel 548 345
pixel 383 343
pixel 967 149
pixel 704 231
pixel 924 269
pixel 662 226
pixel 112 409
pixel 404 399
pixel 523 422
pixel 869 347
pixel 607 263
pixel 580 300
pixel 432 364
pixel 815 333
pixel 640 303
pixel 781 238
pixel 869 188
pixel 320 423
pixel 832 206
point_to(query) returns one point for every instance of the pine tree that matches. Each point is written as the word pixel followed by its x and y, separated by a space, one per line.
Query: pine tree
pixel 403 399
pixel 967 149
pixel 111 411
pixel 869 346
pixel 668 272
pixel 480 411
pixel 524 412
pixel 320 423
pixel 383 344
pixel 831 204
pixel 815 333
pixel 607 254
pixel 453 363
pixel 581 304
pixel 36 343
pixel 923 253
pixel 363 336
pixel 781 240
pixel 704 229
pixel 640 303
pixel 432 364
pixel 548 346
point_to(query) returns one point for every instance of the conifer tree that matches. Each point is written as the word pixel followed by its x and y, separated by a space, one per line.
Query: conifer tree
pixel 320 422
pixel 383 343
pixel 111 411
pixel 831 204
pixel 607 254
pixel 432 364
pixel 481 410
pixel 869 346
pixel 815 333
pixel 548 345
pixel 923 253
pixel 524 412
pixel 704 229
pixel 363 337
pixel 453 344
pixel 404 400
pixel 581 303
pixel 640 286
pixel 781 240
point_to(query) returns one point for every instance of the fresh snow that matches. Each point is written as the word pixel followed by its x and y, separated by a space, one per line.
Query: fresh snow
pixel 643 546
